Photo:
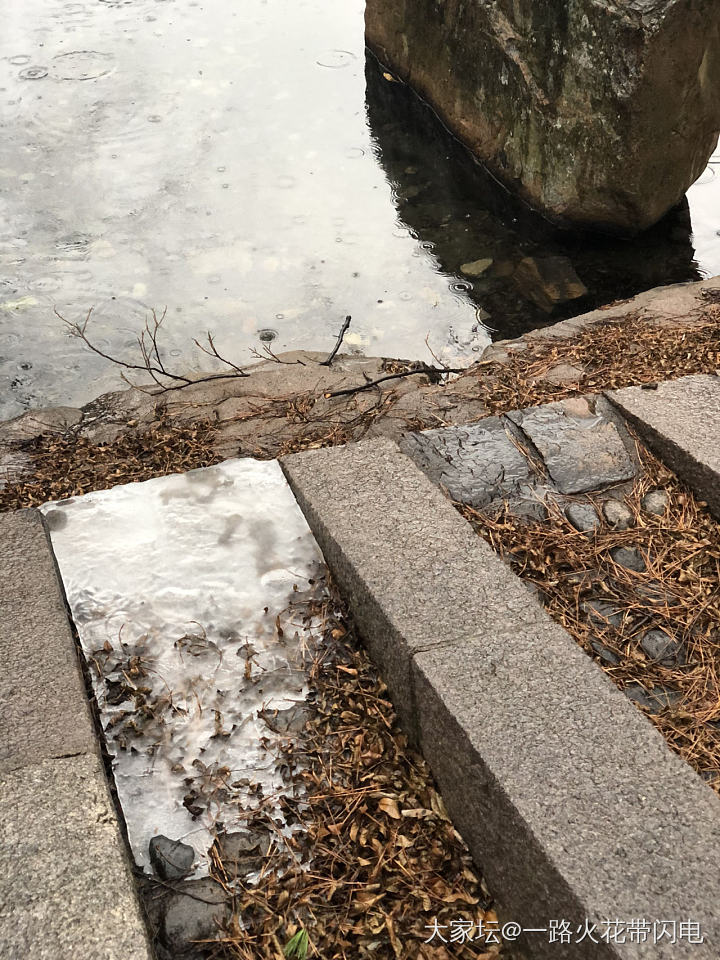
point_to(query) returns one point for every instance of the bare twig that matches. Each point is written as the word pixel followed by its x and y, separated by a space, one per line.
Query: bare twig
pixel 394 376
pixel 268 354
pixel 152 361
pixel 331 356
pixel 213 352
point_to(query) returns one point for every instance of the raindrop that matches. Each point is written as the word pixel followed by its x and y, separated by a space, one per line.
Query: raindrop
pixel 405 295
pixel 19 61
pixel 460 286
pixel 154 118
pixel 267 335
pixel 336 59
pixel 354 153
pixel 47 284
pixel 33 73
pixel 82 65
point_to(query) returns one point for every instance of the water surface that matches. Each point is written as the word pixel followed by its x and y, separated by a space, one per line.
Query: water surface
pixel 241 166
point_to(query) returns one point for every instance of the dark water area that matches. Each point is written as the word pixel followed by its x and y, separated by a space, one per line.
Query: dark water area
pixel 248 168
pixel 460 213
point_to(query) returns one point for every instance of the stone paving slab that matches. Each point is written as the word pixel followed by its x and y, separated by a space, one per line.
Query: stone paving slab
pixel 570 800
pixel 580 448
pixel 370 507
pixel 680 422
pixel 530 459
pixel 65 885
pixel 45 711
pixel 476 464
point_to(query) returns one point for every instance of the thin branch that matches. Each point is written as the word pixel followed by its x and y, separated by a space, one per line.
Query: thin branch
pixel 79 330
pixel 152 361
pixel 269 355
pixel 331 357
pixel 213 352
pixel 393 376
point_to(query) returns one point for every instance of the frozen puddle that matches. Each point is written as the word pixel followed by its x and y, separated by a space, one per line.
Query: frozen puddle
pixel 180 590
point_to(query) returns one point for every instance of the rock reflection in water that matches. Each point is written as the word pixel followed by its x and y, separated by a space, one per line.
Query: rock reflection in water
pixel 519 270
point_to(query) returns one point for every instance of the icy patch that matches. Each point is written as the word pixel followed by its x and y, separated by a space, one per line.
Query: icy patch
pixel 180 588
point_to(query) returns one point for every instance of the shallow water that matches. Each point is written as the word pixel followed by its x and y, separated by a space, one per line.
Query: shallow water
pixel 234 164
pixel 187 593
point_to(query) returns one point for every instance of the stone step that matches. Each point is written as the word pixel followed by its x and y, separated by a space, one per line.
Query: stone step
pixel 66 889
pixel 680 421
pixel 568 797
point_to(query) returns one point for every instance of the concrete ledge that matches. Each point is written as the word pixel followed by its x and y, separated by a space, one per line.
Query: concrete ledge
pixel 65 884
pixel 45 711
pixel 569 799
pixel 65 887
pixel 402 556
pixel 680 421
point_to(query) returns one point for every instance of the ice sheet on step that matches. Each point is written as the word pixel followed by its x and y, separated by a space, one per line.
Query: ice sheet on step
pixel 168 582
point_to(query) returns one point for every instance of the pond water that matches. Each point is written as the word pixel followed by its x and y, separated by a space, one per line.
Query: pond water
pixel 247 168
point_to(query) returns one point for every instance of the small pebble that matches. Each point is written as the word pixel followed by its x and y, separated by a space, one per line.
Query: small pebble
pixel 171 859
pixel 602 651
pixel 582 516
pixel 656 502
pixel 602 613
pixel 656 700
pixel 617 514
pixel 659 646
pixel 628 557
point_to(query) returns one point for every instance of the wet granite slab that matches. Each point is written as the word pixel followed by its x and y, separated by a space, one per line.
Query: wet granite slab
pixel 65 884
pixel 680 422
pixel 184 591
pixel 476 464
pixel 581 449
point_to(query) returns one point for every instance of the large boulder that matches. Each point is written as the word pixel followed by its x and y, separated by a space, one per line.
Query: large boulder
pixel 600 113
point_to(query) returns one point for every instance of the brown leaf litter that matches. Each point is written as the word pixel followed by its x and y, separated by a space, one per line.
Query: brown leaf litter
pixel 618 353
pixel 376 860
pixel 608 608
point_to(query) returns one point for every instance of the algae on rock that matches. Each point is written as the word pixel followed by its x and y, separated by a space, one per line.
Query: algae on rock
pixel 598 112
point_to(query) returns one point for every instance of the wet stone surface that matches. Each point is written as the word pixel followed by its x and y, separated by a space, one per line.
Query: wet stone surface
pixel 617 514
pixel 528 459
pixel 170 859
pixel 187 592
pixel 659 646
pixel 602 613
pixel 629 557
pixel 192 912
pixel 605 654
pixel 581 450
pixel 582 516
pixel 477 465
pixel 655 700
pixel 655 502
